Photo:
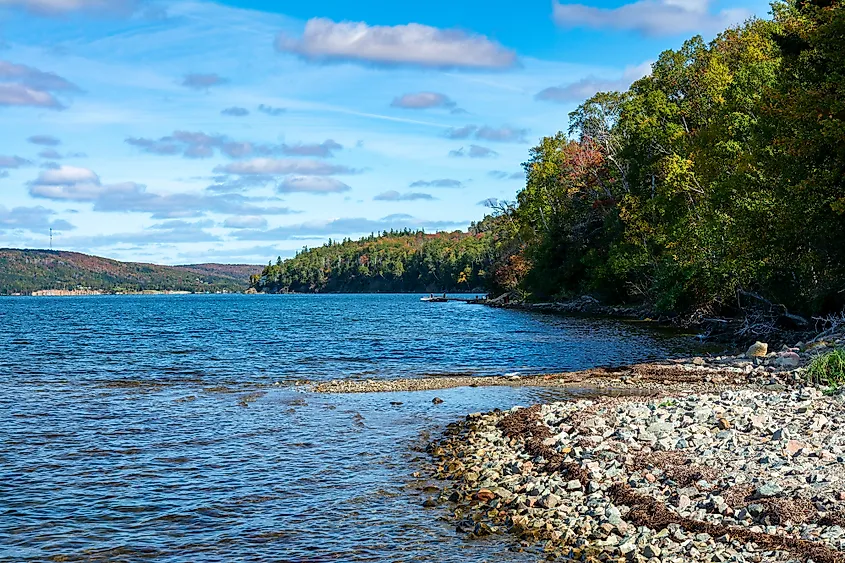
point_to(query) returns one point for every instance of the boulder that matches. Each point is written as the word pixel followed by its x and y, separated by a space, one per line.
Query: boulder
pixel 757 350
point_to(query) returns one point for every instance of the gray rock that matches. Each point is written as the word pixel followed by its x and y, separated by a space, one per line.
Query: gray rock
pixel 549 500
pixel 573 485
pixel 780 434
pixel 613 515
pixel 661 428
pixel 769 490
pixel 651 551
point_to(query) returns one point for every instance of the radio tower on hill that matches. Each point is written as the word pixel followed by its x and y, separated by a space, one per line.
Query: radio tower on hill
pixel 51 239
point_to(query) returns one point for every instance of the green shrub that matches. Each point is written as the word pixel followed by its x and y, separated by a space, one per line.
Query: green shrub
pixel 828 369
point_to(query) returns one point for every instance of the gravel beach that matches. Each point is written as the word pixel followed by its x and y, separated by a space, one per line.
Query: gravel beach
pixel 735 476
pixel 736 458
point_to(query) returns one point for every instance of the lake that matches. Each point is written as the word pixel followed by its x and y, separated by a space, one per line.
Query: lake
pixel 170 428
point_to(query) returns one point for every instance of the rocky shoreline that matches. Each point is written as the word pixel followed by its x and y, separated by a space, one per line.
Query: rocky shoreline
pixel 586 305
pixel 734 459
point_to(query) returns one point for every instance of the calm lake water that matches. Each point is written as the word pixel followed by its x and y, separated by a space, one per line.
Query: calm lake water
pixel 167 428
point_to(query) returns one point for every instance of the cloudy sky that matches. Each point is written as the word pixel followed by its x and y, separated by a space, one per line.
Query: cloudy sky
pixel 194 131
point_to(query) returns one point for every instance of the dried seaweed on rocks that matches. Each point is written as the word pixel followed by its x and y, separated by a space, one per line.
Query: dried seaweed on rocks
pixel 676 466
pixel 527 425
pixel 797 510
pixel 646 511
pixel 660 460
pixel 738 496
pixel 834 518
pixel 677 374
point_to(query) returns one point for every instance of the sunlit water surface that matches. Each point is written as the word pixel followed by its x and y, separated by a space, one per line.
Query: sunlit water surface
pixel 167 428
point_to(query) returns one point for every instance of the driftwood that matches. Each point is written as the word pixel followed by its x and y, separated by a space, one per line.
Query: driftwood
pixel 766 317
pixel 833 323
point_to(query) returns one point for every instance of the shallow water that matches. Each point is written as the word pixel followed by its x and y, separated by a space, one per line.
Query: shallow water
pixel 166 428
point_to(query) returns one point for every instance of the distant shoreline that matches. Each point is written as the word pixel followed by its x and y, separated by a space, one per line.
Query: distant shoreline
pixel 97 292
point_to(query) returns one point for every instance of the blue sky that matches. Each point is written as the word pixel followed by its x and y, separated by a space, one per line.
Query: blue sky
pixel 193 131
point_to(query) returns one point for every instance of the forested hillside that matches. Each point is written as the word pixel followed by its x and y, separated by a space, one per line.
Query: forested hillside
pixel 25 271
pixel 719 176
pixel 392 262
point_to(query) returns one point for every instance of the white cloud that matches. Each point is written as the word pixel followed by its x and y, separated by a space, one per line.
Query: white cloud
pixel 68 183
pixel 504 134
pixel 284 166
pixel 196 144
pixel 235 112
pixel 168 232
pixel 393 195
pixel 13 162
pixel 20 95
pixel 322 150
pixel 22 85
pixel 51 154
pixel 30 219
pixel 423 100
pixel 475 151
pixel 271 111
pixel 67 175
pixel 62 7
pixel 203 81
pixel 590 85
pixel 311 184
pixel 44 140
pixel 228 184
pixel 650 17
pixel 502 175
pixel 441 183
pixel 412 44
pixel 33 77
pixel 245 222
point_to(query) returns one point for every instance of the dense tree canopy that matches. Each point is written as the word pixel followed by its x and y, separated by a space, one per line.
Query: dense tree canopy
pixel 392 262
pixel 718 175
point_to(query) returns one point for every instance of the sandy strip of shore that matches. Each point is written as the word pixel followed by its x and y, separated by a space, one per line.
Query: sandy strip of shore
pixel 695 374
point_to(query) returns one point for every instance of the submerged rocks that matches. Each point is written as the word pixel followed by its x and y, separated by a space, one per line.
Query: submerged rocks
pixel 640 479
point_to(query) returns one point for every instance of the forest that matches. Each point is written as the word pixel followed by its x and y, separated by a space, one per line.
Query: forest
pixel 395 261
pixel 715 181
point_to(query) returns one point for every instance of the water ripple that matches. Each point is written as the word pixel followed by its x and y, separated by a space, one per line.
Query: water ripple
pixel 161 428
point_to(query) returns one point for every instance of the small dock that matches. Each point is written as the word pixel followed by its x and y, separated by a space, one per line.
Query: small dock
pixel 446 299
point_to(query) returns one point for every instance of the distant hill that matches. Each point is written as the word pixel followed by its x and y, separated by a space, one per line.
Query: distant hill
pixel 25 271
